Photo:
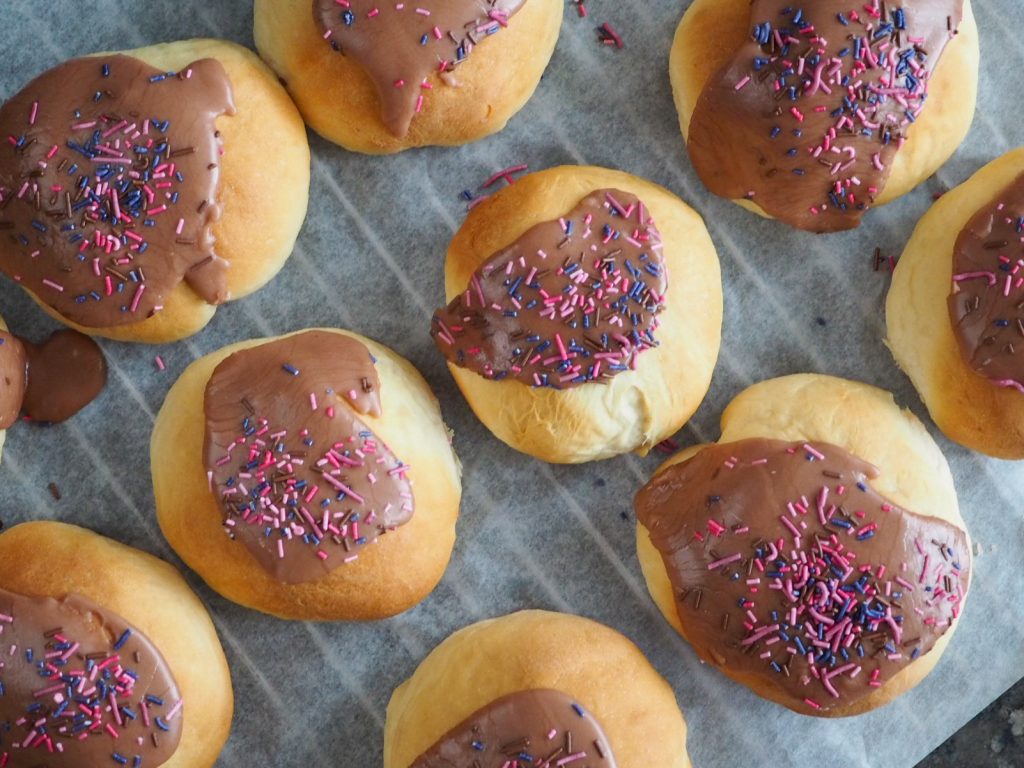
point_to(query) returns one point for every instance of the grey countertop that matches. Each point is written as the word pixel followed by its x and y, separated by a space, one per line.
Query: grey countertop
pixel 994 738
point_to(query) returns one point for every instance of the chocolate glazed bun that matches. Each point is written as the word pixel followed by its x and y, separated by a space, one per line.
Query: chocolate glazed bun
pixel 625 714
pixel 972 404
pixel 56 575
pixel 644 391
pixel 861 426
pixel 11 388
pixel 222 210
pixel 351 98
pixel 309 476
pixel 712 31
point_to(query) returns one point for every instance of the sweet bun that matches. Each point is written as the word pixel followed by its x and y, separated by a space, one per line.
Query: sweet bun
pixel 390 464
pixel 253 200
pixel 834 416
pixel 632 410
pixel 64 576
pixel 538 651
pixel 709 37
pixel 48 382
pixel 965 404
pixel 4 385
pixel 339 97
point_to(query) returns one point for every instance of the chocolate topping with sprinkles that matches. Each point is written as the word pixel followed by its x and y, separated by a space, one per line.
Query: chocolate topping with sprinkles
pixel 109 172
pixel 572 301
pixel 49 382
pixel 400 45
pixel 807 117
pixel 81 688
pixel 530 728
pixel 986 305
pixel 301 481
pixel 788 567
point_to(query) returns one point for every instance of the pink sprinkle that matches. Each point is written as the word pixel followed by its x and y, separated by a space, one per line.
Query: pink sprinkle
pixel 724 561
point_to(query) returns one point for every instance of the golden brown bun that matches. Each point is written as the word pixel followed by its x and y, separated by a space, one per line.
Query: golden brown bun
pixel 47 559
pixel 867 423
pixel 3 432
pixel 965 405
pixel 637 409
pixel 597 666
pixel 712 31
pixel 264 188
pixel 390 576
pixel 339 101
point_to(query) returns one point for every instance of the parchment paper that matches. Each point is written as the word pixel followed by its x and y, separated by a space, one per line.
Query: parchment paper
pixel 370 258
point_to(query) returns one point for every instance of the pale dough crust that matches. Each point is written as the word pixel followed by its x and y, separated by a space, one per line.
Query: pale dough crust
pixel 867 423
pixel 3 432
pixel 48 559
pixel 712 30
pixel 264 188
pixel 637 409
pixel 965 405
pixel 339 101
pixel 597 666
pixel 390 576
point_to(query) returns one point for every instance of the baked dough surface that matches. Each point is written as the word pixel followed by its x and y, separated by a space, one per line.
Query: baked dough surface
pixel 637 409
pixel 390 576
pixel 965 405
pixel 712 30
pixel 539 649
pixel 866 422
pixel 48 559
pixel 339 101
pixel 264 188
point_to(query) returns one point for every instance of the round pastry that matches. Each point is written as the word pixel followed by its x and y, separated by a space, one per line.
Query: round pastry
pixel 535 687
pixel 48 382
pixel 383 77
pixel 585 313
pixel 815 553
pixel 803 112
pixel 308 476
pixel 109 658
pixel 955 311
pixel 137 191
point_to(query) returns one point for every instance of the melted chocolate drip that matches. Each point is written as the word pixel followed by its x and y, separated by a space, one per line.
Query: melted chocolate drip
pixel 807 117
pixel 787 566
pixel 80 687
pixel 49 382
pixel 302 482
pixel 986 305
pixel 108 180
pixel 400 47
pixel 537 727
pixel 572 301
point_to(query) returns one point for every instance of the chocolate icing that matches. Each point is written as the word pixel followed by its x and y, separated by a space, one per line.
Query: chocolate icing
pixel 109 172
pixel 49 382
pixel 65 663
pixel 399 46
pixel 302 482
pixel 986 305
pixel 765 542
pixel 572 301
pixel 529 728
pixel 804 120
